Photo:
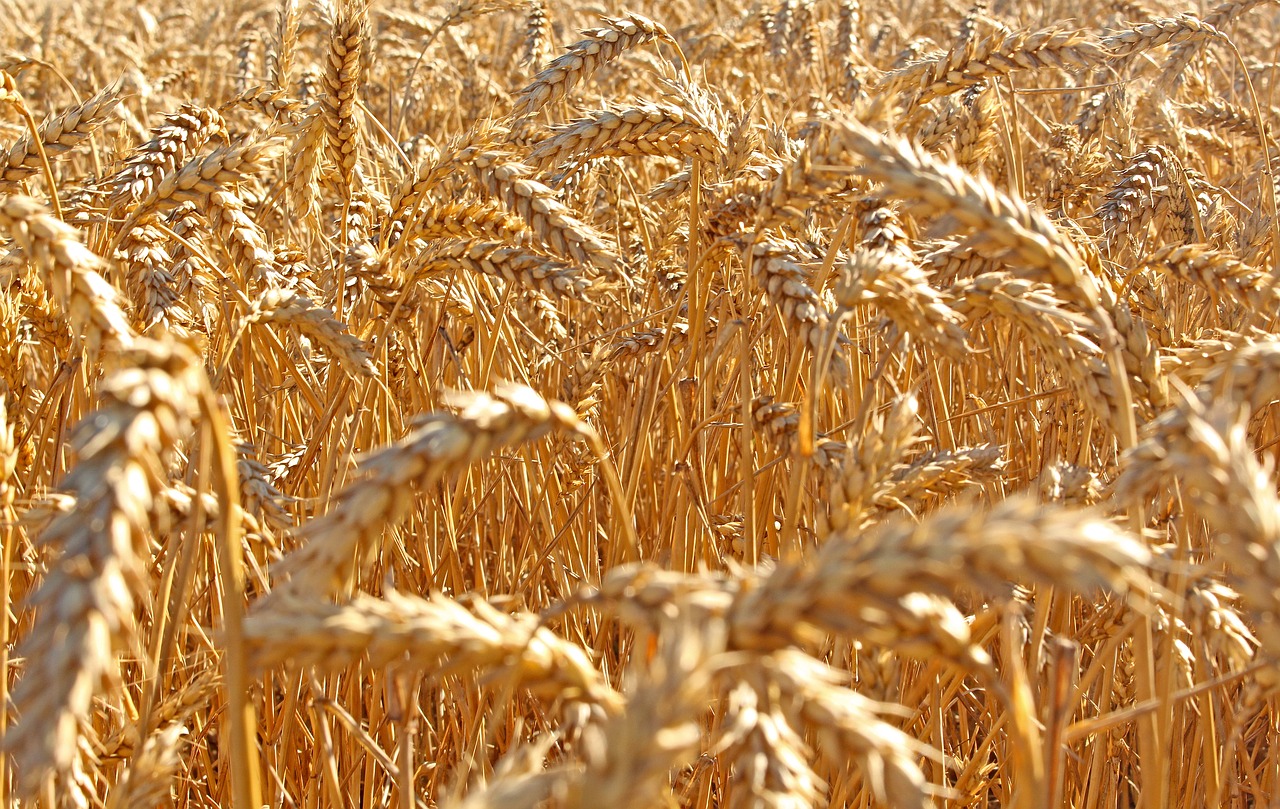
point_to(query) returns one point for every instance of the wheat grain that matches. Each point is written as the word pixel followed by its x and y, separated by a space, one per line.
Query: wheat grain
pixel 338 542
pixel 182 134
pixel 583 58
pixel 436 634
pixel 70 271
pixel 512 262
pixel 997 55
pixel 59 135
pixel 285 306
pixel 86 605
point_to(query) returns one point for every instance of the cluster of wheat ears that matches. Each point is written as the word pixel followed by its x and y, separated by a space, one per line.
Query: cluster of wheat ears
pixel 514 403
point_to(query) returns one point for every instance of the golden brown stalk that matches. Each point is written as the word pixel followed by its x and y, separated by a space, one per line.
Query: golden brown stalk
pixel 9 96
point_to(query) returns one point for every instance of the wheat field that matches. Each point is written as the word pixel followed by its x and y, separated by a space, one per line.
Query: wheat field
pixel 520 403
